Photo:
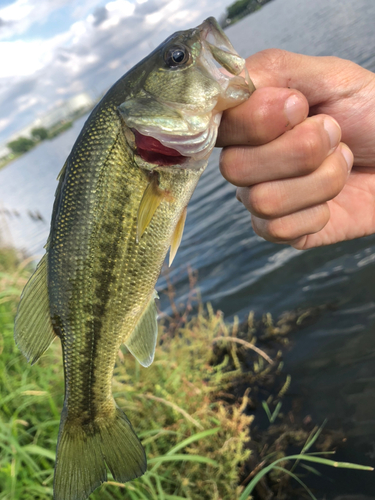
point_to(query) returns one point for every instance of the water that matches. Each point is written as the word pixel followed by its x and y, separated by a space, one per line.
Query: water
pixel 332 362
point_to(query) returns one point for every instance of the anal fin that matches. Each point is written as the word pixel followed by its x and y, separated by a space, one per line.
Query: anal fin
pixel 33 330
pixel 177 236
pixel 142 341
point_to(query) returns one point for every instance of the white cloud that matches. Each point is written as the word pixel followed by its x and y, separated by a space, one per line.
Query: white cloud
pixel 16 11
pixel 21 58
pixel 4 122
pixel 89 55
pixel 19 16
pixel 24 58
pixel 26 102
pixel 114 64
pixel 81 8
pixel 117 9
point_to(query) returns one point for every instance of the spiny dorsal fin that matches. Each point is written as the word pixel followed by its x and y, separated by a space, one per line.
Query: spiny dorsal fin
pixel 177 236
pixel 33 331
pixel 151 199
pixel 142 341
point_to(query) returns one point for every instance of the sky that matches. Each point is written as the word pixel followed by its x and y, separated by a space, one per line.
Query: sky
pixel 51 50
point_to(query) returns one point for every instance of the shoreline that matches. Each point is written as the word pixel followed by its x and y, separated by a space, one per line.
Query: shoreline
pixel 51 133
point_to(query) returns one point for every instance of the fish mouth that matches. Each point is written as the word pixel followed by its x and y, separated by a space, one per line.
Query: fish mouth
pixel 190 135
pixel 153 151
pixel 215 41
pixel 188 151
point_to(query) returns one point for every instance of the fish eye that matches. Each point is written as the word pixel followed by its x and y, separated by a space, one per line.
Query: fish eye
pixel 176 56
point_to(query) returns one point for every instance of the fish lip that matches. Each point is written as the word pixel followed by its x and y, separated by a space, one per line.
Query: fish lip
pixel 223 53
pixel 210 27
pixel 217 43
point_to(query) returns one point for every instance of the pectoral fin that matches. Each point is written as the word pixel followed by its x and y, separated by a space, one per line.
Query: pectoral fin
pixel 33 331
pixel 151 199
pixel 142 341
pixel 177 236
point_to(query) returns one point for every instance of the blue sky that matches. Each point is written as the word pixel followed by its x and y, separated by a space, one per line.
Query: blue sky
pixel 53 49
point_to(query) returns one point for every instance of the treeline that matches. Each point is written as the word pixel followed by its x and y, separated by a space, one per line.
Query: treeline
pixel 23 144
pixel 240 9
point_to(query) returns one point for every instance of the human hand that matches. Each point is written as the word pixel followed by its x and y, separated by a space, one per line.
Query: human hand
pixel 292 171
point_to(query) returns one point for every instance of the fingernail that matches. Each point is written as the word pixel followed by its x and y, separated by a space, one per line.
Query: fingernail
pixel 348 155
pixel 334 132
pixel 296 109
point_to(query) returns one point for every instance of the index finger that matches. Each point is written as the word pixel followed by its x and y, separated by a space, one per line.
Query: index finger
pixel 266 115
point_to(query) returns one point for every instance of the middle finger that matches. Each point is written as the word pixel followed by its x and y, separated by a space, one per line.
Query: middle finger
pixel 297 152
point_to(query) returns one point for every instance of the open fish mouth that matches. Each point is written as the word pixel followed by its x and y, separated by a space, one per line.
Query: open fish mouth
pixel 171 130
pixel 217 47
pixel 168 150
pixel 151 150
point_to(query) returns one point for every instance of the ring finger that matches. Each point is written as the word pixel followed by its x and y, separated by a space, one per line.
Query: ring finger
pixel 272 199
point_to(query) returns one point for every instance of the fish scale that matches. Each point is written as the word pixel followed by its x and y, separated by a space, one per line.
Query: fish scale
pixel 119 275
pixel 115 215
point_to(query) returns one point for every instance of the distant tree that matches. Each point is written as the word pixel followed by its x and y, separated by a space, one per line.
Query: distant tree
pixel 244 7
pixel 238 7
pixel 39 133
pixel 21 145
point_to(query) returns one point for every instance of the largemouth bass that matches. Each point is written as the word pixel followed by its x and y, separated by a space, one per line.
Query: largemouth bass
pixel 120 205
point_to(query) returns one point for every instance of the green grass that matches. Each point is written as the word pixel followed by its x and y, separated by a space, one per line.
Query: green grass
pixel 186 408
pixel 279 465
pixel 194 443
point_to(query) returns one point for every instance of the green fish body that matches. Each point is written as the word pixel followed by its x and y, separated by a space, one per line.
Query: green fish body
pixel 119 206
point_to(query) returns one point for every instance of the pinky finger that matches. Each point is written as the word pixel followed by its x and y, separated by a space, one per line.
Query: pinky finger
pixel 294 228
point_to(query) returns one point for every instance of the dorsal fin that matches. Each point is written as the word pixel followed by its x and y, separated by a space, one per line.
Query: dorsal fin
pixel 33 331
pixel 142 341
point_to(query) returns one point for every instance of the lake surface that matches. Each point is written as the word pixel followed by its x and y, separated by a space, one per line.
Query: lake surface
pixel 332 362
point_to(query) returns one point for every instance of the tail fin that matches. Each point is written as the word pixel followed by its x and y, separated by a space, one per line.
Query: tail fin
pixel 83 452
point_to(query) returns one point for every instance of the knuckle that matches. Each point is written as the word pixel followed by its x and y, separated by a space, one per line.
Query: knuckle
pixel 257 227
pixel 229 164
pixel 259 120
pixel 262 201
pixel 346 69
pixel 322 217
pixel 223 162
pixel 279 230
pixel 274 58
pixel 335 177
pixel 335 62
pixel 308 148
pixel 294 226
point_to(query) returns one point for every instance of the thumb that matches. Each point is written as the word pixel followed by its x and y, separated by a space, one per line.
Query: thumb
pixel 318 78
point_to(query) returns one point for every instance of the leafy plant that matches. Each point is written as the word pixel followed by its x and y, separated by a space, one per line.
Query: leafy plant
pixel 303 456
pixel 39 133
